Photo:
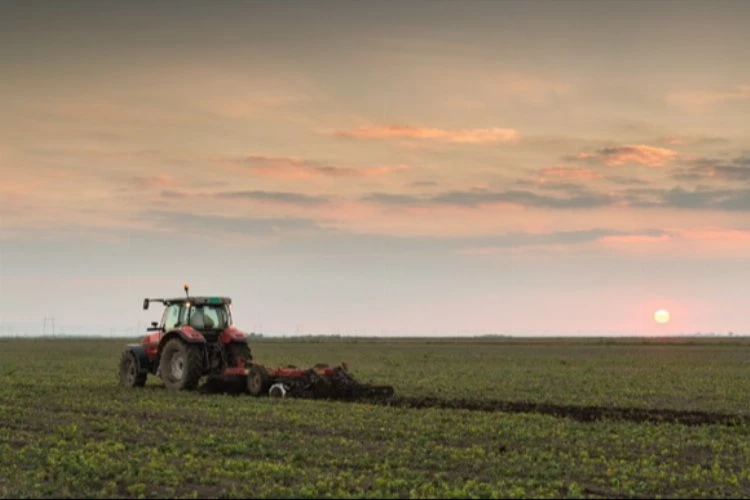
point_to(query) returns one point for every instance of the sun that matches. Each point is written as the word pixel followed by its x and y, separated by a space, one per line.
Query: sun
pixel 661 316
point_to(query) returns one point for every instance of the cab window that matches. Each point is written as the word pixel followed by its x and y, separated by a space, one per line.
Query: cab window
pixel 171 317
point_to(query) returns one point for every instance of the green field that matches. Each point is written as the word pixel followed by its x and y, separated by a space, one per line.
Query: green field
pixel 69 430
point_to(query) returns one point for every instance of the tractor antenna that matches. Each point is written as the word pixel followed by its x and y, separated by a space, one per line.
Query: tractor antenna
pixel 186 287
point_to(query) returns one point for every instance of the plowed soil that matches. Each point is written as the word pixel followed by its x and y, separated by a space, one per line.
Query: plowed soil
pixel 578 413
pixel 574 412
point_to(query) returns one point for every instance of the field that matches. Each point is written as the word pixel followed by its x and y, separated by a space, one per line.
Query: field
pixel 489 418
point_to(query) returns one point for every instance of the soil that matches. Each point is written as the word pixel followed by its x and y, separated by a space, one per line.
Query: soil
pixel 578 413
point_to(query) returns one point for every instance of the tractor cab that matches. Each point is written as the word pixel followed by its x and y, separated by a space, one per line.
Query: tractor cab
pixel 208 315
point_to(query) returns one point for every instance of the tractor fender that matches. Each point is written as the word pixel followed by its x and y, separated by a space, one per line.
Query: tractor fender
pixel 232 334
pixel 186 333
pixel 143 365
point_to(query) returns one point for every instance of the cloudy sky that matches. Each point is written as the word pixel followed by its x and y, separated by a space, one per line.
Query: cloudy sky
pixel 429 168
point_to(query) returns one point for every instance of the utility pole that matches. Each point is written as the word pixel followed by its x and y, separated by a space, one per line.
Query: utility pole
pixel 51 320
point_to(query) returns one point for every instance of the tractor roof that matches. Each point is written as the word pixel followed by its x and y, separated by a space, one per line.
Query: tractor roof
pixel 198 301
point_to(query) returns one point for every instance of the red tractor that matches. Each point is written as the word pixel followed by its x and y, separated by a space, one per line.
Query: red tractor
pixel 196 338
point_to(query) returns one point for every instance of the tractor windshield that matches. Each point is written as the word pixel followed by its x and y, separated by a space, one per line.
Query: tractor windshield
pixel 207 317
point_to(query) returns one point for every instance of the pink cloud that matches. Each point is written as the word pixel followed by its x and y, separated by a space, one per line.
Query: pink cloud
pixel 717 234
pixel 11 187
pixel 305 171
pixel 246 105
pixel 714 241
pixel 171 193
pixel 482 88
pixel 296 168
pixel 380 170
pixel 536 89
pixel 568 173
pixel 704 242
pixel 673 141
pixel 159 181
pixel 691 140
pixel 686 242
pixel 700 100
pixel 464 136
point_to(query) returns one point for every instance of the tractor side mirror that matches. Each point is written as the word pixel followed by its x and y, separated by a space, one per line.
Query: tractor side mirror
pixel 145 304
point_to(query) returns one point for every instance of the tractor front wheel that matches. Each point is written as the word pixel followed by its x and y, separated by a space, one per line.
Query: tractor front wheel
pixel 129 374
pixel 181 365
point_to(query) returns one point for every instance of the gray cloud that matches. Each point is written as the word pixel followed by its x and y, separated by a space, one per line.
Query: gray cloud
pixel 629 154
pixel 737 169
pixel 478 197
pixel 627 181
pixel 282 165
pixel 568 187
pixel 423 184
pixel 170 193
pixel 698 199
pixel 277 161
pixel 723 199
pixel 691 140
pixel 679 198
pixel 393 199
pixel 559 237
pixel 283 197
pixel 181 221
pixel 527 198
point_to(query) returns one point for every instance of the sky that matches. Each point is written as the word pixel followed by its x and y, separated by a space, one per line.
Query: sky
pixel 377 168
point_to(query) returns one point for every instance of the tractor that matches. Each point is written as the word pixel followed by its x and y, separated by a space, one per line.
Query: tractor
pixel 197 339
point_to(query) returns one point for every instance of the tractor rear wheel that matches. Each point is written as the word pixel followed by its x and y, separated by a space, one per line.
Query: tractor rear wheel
pixel 181 365
pixel 129 374
pixel 258 381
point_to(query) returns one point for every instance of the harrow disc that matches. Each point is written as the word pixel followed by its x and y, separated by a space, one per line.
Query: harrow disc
pixel 323 382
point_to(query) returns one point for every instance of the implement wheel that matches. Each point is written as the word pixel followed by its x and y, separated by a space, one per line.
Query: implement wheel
pixel 258 381
pixel 129 374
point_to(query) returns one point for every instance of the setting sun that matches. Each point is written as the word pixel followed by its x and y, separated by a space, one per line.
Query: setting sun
pixel 661 316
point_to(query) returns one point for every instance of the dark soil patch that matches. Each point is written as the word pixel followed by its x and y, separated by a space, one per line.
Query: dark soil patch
pixel 574 412
pixel 579 413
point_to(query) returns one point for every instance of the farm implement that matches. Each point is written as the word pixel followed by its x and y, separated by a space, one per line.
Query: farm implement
pixel 196 340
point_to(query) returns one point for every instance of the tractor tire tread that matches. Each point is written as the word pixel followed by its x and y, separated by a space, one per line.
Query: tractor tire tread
pixel 193 361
